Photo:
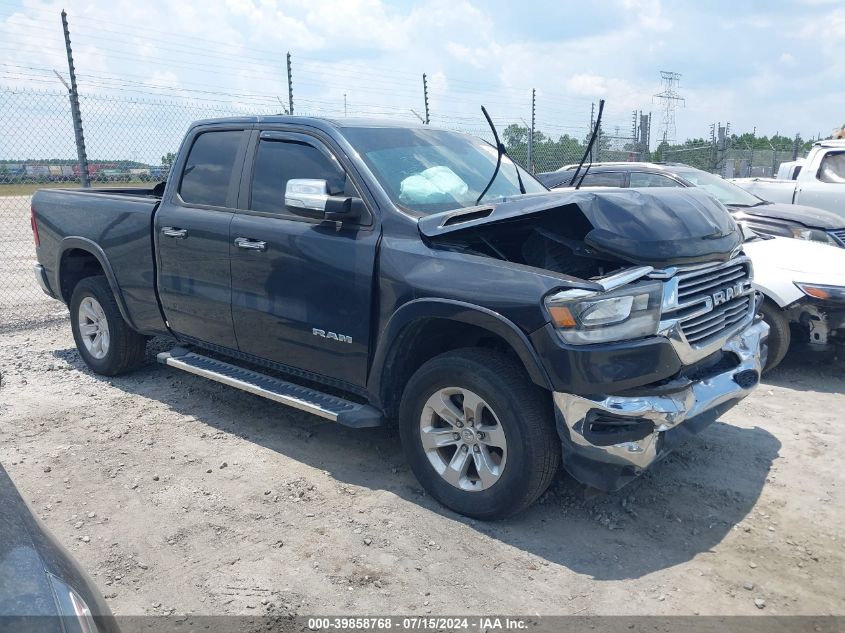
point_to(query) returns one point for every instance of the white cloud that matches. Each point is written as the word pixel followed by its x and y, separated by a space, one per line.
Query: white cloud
pixel 649 14
pixel 743 67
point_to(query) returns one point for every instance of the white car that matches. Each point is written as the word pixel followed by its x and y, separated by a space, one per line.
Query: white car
pixel 804 288
pixel 819 180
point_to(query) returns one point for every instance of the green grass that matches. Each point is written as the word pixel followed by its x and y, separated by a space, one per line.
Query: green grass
pixel 29 188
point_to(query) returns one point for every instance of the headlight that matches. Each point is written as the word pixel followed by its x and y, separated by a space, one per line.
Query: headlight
pixel 582 317
pixel 75 614
pixel 814 235
pixel 825 293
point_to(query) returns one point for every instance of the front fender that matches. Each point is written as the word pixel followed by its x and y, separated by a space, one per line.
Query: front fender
pixel 430 308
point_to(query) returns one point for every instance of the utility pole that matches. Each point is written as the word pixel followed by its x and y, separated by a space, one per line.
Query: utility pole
pixel 290 86
pixel 774 154
pixel 344 104
pixel 751 158
pixel 425 98
pixel 644 134
pixel 634 139
pixel 712 161
pixel 795 148
pixel 598 142
pixel 73 93
pixel 531 132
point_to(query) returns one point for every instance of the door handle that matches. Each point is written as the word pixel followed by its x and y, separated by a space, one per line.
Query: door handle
pixel 250 245
pixel 170 231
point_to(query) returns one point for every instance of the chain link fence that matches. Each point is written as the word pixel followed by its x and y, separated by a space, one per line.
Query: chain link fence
pixel 130 142
pixel 727 161
pixel 757 163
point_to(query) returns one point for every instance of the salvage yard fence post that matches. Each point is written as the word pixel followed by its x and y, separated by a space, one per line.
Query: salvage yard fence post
pixel 82 155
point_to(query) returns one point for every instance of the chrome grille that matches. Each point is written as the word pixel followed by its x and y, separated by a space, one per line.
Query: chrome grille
pixel 701 315
pixel 698 285
pixel 701 328
pixel 839 236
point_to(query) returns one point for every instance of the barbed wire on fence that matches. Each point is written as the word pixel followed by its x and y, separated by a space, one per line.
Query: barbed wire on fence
pixel 131 139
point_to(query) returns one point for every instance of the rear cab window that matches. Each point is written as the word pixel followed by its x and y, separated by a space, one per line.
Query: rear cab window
pixel 832 168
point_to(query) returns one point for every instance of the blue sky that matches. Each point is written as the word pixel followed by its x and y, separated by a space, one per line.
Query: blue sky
pixel 778 66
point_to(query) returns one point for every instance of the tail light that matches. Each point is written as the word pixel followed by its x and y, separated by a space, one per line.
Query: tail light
pixel 34 226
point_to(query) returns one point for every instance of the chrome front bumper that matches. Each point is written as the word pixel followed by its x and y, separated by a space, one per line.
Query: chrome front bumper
pixel 670 417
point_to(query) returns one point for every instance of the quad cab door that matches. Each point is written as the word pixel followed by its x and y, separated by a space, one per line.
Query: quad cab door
pixel 301 288
pixel 191 233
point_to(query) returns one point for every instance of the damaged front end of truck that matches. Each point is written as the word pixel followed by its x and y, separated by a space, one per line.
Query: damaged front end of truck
pixel 653 332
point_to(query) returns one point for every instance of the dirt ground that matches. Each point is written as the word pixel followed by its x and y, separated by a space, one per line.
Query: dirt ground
pixel 184 496
pixel 21 300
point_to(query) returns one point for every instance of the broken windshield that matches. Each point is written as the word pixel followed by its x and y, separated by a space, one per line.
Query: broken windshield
pixel 428 171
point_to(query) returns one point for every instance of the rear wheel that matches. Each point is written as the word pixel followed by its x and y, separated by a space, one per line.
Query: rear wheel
pixel 478 434
pixel 779 333
pixel 104 340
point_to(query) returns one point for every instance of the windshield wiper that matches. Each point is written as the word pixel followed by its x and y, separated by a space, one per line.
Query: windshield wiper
pixel 502 151
pixel 589 150
pixel 745 206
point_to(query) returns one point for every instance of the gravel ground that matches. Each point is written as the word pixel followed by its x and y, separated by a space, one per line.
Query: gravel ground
pixel 21 300
pixel 180 495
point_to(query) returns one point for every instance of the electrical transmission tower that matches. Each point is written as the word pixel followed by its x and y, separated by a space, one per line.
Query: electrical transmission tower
pixel 669 98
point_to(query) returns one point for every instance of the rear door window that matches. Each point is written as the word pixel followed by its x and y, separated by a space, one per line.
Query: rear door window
pixel 645 179
pixel 209 168
pixel 603 179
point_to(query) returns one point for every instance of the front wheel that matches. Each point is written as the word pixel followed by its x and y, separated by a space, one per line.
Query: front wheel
pixel 104 340
pixel 779 334
pixel 478 435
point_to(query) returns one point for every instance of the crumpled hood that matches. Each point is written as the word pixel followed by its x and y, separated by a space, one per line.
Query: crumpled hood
pixel 811 217
pixel 657 227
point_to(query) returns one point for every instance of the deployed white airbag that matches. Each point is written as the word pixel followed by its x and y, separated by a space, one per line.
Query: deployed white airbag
pixel 435 184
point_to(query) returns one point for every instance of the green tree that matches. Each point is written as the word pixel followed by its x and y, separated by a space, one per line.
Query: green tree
pixel 167 159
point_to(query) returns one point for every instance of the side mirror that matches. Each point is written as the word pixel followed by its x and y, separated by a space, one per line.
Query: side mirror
pixel 310 197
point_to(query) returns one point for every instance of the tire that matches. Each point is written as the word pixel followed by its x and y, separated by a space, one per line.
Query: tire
pixel 93 310
pixel 779 334
pixel 515 437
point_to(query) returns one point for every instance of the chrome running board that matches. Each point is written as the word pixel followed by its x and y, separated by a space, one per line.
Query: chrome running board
pixel 303 398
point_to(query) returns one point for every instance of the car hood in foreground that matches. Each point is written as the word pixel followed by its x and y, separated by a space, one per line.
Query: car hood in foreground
pixel 657 227
pixel 27 554
pixel 810 217
pixel 24 589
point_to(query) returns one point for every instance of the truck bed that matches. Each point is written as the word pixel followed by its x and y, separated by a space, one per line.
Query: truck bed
pixel 116 223
pixel 135 192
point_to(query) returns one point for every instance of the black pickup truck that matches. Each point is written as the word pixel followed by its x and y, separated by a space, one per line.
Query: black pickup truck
pixel 371 272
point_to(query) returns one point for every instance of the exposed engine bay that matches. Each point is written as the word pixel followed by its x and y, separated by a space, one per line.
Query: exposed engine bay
pixel 538 241
pixel 592 234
